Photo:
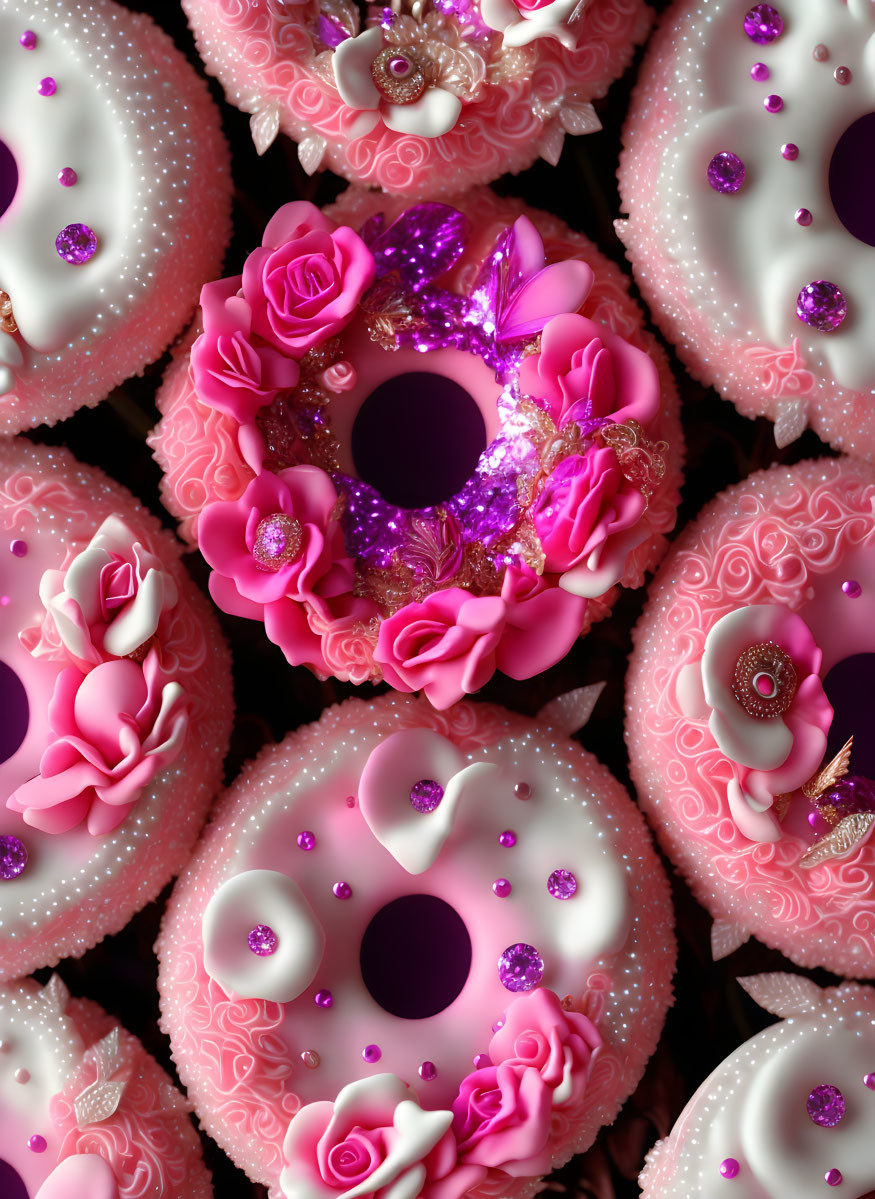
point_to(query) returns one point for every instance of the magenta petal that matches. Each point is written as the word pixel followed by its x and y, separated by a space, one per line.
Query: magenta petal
pixel 228 598
pixel 561 287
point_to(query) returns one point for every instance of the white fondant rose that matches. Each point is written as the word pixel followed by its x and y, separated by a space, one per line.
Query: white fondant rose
pixel 371 1141
pixel 522 21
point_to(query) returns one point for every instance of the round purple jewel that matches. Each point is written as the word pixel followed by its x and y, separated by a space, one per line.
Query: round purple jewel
pixel 502 888
pixel 833 1177
pixel 847 797
pixel 67 177
pixel 323 999
pixel 729 1167
pixel 27 39
pixel 763 24
pixel 843 75
pixel 18 548
pixel 826 1105
pixel 372 1053
pixel 562 884
pixel 13 857
pixel 821 305
pixel 790 151
pixel 520 967
pixel 263 940
pixel 306 840
pixel 773 103
pixel 803 217
pixel 507 839
pixel 481 1061
pixel 725 172
pixel 852 589
pixel 759 72
pixel 425 795
pixel 47 86
pixel 37 1144
pixel 869 1081
pixel 76 244
pixel 428 1071
pixel 342 890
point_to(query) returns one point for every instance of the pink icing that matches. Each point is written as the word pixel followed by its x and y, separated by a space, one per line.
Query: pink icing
pixel 83 1176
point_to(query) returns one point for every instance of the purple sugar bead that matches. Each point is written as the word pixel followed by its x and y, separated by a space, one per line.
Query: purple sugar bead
pixel 342 890
pixel 323 999
pixel 826 1105
pixel 852 589
pixel 833 1177
pixel 726 172
pixel 502 888
pixel 729 1167
pixel 425 795
pixel 67 177
pixel 76 244
pixel 790 151
pixel 759 72
pixel 263 940
pixel 562 884
pixel 47 86
pixel 763 24
pixel 428 1071
pixel 18 548
pixel 13 857
pixel 773 103
pixel 37 1144
pixel 869 1081
pixel 507 839
pixel 306 840
pixel 372 1053
pixel 821 305
pixel 520 967
pixel 803 217
pixel 27 39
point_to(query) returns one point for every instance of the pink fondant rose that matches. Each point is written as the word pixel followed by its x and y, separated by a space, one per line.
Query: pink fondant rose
pixel 304 283
pixel 587 518
pixel 542 622
pixel 373 1140
pixel 113 730
pixel 231 372
pixel 585 370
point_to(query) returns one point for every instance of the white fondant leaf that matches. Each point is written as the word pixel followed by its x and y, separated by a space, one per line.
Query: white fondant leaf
pixel 783 994
pixel 264 126
pixel 106 1054
pixel 579 118
pixel 550 146
pixel 570 712
pixel 55 995
pixel 844 838
pixel 98 1102
pixel 311 151
pixel 791 420
pixel 726 937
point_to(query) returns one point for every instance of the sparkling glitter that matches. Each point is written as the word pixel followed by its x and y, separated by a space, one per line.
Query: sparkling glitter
pixel 342 890
pixel 67 177
pixel 76 244
pixel 869 1081
pixel 847 797
pixel 803 217
pixel 428 1071
pixel 773 103
pixel 372 1053
pixel 852 589
pixel 729 1167
pixel 725 172
pixel 790 151
pixel 821 305
pixel 759 72
pixel 520 967
pixel 47 86
pixel 826 1105
pixel 306 840
pixel 263 940
pixel 820 53
pixel 18 547
pixel 277 541
pixel 37 1144
pixel 502 888
pixel 425 795
pixel 523 791
pixel 323 999
pixel 21 1075
pixel 763 24
pixel 481 1061
pixel 843 75
pixel 507 839
pixel 833 1177
pixel 13 857
pixel 27 39
pixel 310 1059
pixel 562 884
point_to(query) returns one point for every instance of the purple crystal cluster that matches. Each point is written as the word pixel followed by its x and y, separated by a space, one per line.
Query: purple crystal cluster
pixel 425 795
pixel 13 857
pixel 76 244
pixel 263 941
pixel 850 795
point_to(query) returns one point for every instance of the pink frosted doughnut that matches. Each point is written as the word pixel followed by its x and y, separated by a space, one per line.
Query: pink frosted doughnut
pixel 435 98
pixel 751 668
pixel 789 1113
pixel 750 227
pixel 85 1112
pixel 409 480
pixel 114 202
pixel 450 922
pixel 115 689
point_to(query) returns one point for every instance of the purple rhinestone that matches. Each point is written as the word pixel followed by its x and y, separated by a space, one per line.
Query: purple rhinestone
pixel 372 1053
pixel 13 857
pixel 523 791
pixel 790 151
pixel 37 1144
pixel 263 940
pixel 76 244
pixel 773 103
pixel 803 217
pixel 27 39
pixel 850 795
pixel 763 24
pixel 67 177
pixel 426 795
pixel 562 884
pixel 843 75
pixel 759 72
pixel 821 305
pixel 502 888
pixel 507 839
pixel 342 890
pixel 481 1061
pixel 520 967
pixel 726 172
pixel 729 1167
pixel 306 840
pixel 826 1105
pixel 832 1177
pixel 869 1081
pixel 323 999
pixel 428 1071
pixel 47 86
pixel 852 589
pixel 18 547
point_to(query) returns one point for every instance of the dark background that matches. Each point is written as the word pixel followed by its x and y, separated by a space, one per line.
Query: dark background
pixel 711 1015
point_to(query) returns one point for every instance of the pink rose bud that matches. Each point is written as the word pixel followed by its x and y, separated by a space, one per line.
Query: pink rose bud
pixel 340 376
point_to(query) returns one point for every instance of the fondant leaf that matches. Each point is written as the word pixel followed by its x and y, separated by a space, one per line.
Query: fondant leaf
pixel 420 245
pixel 783 994
pixel 311 151
pixel 55 995
pixel 106 1054
pixel 550 145
pixel 579 118
pixel 726 937
pixel 791 420
pixel 98 1102
pixel 570 712
pixel 831 773
pixel 264 126
pixel 844 838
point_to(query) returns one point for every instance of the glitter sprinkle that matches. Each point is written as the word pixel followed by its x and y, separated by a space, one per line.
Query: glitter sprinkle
pixel 13 857
pixel 725 173
pixel 323 999
pixel 76 244
pixel 310 1059
pixel 502 888
pixel 843 75
pixel 67 177
pixel 306 840
pixel 507 839
pixel 763 24
pixel 263 940
pixel 342 890
pixel 47 86
pixel 803 217
pixel 18 547
pixel 833 1177
pixel 277 541
pixel 790 151
pixel 520 967
pixel 773 103
pixel 562 884
pixel 425 795
pixel 729 1167
pixel 759 72
pixel 372 1053
pixel 821 305
pixel 825 1105
pixel 37 1144
pixel 523 791
pixel 428 1071
pixel 852 589
pixel 27 39
pixel 820 53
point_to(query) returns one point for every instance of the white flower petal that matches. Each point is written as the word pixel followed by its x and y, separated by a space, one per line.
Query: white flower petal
pixel 138 619
pixel 352 68
pixel 432 115
pixel 498 14
pixel 751 819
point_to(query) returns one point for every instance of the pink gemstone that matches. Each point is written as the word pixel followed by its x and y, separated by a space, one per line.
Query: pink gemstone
pixel 372 1053
pixel 76 244
pixel 67 177
pixel 843 75
pixel 27 39
pixel 833 1177
pixel 323 999
pixel 481 1061
pixel 803 217
pixel 852 589
pixel 821 305
pixel 37 1144
pixel 342 890
pixel 763 24
pixel 428 1072
pixel 306 840
pixel 18 547
pixel 523 791
pixel 820 53
pixel 507 839
pixel 520 967
pixel 825 1105
pixel 277 541
pixel 562 884
pixel 790 151
pixel 47 86
pixel 502 888
pixel 759 72
pixel 725 172
pixel 773 103
pixel 729 1167
pixel 13 857
pixel 263 940
pixel 400 67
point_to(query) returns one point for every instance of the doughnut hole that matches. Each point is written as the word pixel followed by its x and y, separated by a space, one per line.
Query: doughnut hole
pixel 8 177
pixel 850 688
pixel 11 1185
pixel 415 956
pixel 852 179
pixel 14 716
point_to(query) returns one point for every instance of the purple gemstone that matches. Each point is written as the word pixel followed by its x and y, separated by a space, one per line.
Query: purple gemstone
pixel 852 589
pixel 790 151
pixel 729 1167
pixel 37 1144
pixel 13 857
pixel 76 244
pixel 763 24
pixel 372 1053
pixel 562 884
pixel 342 890
pixel 523 791
pixel 18 547
pixel 507 839
pixel 428 1071
pixel 843 75
pixel 306 840
pixel 773 103
pixel 481 1061
pixel 821 305
pixel 426 795
pixel 520 967
pixel 323 999
pixel 850 795
pixel 759 72
pixel 502 888
pixel 869 1081
pixel 47 86
pixel 803 217
pixel 263 940
pixel 726 172
pixel 833 1177
pixel 67 177
pixel 826 1105
pixel 27 39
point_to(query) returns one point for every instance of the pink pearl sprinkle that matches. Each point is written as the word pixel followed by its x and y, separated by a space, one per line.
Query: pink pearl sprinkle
pixel 820 53
pixel 773 103
pixel 852 589
pixel 843 76
pixel 47 86
pixel 507 839
pixel 67 177
pixel 350 801
pixel 502 888
pixel 833 1177
pixel 869 1081
pixel 759 72
pixel 372 1053
pixel 37 1144
pixel 729 1167
pixel 342 890
pixel 27 39
pixel 428 1071
pixel 790 151
pixel 21 1075
pixel 481 1061
pixel 18 547
pixel 803 217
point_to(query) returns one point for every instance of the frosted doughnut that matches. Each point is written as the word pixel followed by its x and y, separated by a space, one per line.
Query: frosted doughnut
pixel 752 668
pixel 789 1113
pixel 485 915
pixel 109 660
pixel 745 175
pixel 437 96
pixel 114 202
pixel 446 465
pixel 85 1112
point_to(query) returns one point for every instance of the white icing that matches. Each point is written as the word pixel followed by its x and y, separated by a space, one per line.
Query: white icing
pixel 744 256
